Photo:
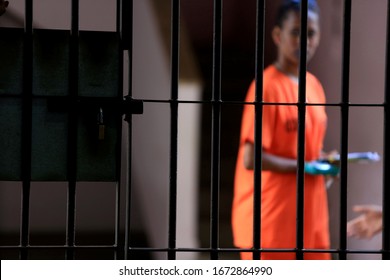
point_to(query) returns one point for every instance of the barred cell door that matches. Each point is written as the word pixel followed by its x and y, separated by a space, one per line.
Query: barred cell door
pixel 62 109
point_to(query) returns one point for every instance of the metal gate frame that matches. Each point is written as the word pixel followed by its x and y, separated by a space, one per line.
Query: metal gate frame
pixel 124 28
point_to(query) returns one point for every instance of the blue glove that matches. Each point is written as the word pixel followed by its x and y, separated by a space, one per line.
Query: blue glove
pixel 321 168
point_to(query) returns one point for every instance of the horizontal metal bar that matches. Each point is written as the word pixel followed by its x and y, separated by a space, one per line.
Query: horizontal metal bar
pixel 148 249
pixel 264 103
pixel 207 250
pixel 167 101
pixel 60 247
pixel 120 105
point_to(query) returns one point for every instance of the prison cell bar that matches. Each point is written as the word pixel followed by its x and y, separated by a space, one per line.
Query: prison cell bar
pixel 216 130
pixel 119 240
pixel 175 46
pixel 386 151
pixel 26 128
pixel 301 131
pixel 127 42
pixel 259 68
pixel 72 129
pixel 344 129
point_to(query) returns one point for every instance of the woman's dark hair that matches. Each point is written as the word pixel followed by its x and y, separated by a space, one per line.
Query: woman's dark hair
pixel 294 5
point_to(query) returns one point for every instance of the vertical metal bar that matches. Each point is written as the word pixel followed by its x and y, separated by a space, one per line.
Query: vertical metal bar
pixel 127 24
pixel 26 127
pixel 118 249
pixel 344 128
pixel 72 130
pixel 260 24
pixel 127 41
pixel 301 131
pixel 216 129
pixel 386 151
pixel 175 45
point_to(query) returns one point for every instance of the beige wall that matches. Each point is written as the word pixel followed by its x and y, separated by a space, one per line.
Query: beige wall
pixel 57 14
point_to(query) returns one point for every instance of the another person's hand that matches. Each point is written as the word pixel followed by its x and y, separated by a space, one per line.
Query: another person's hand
pixel 367 224
pixel 3 6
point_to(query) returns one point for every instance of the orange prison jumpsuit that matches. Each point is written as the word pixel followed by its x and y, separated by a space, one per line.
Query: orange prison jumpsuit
pixel 278 199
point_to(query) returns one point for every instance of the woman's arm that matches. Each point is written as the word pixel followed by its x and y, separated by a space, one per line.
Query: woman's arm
pixel 269 162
